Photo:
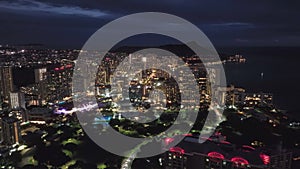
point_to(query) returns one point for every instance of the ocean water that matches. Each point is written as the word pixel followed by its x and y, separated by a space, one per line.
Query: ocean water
pixel 280 67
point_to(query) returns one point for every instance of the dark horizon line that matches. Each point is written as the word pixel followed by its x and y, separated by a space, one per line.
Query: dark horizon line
pixel 49 46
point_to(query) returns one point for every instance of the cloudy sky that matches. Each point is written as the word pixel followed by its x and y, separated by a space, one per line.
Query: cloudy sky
pixel 69 23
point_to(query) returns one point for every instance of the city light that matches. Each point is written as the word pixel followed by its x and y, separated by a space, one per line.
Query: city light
pixel 239 160
pixel 177 150
pixel 265 158
pixel 216 156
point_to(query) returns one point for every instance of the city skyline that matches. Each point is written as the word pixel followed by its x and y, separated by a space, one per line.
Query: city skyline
pixel 46 104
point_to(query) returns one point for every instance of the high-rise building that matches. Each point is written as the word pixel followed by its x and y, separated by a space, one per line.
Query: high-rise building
pixel 16 100
pixel 40 74
pixel 231 96
pixel 6 82
pixel 11 132
pixel 59 83
pixel 214 75
pixel 258 99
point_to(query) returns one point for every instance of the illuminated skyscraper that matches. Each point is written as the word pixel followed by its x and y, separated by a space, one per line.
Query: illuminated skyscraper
pixel 16 100
pixel 11 132
pixel 41 82
pixel 59 82
pixel 6 82
pixel 40 74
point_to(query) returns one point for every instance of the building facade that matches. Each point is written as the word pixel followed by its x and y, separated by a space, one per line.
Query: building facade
pixel 11 132
pixel 220 154
pixel 16 100
pixel 6 82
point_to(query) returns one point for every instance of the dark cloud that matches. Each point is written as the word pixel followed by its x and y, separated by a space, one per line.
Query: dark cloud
pixel 36 6
pixel 227 22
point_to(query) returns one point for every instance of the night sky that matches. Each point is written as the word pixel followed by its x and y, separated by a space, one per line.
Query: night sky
pixel 69 23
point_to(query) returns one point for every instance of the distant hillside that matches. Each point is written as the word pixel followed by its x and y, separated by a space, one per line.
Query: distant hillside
pixel 179 50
